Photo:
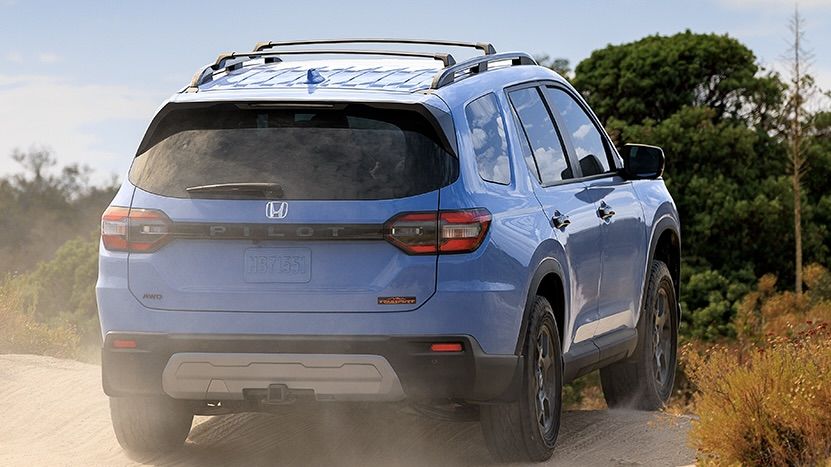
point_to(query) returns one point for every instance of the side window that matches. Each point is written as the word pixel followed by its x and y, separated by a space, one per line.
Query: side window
pixel 587 140
pixel 487 132
pixel 542 136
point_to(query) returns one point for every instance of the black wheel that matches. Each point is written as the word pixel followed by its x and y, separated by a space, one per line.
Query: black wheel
pixel 645 380
pixel 526 430
pixel 150 425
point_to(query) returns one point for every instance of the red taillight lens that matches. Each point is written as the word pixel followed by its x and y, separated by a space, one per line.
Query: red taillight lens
pixel 413 232
pixel 424 233
pixel 134 230
pixel 446 347
pixel 124 344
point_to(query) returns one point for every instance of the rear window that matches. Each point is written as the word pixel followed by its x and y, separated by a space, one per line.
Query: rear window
pixel 352 153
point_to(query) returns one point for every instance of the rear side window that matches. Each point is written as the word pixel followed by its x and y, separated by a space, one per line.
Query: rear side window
pixel 487 133
pixel 587 140
pixel 353 153
pixel 541 135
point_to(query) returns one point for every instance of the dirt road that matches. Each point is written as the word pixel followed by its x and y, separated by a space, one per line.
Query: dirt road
pixel 54 413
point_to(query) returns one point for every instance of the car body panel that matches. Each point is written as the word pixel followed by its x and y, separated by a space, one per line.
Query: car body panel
pixel 482 295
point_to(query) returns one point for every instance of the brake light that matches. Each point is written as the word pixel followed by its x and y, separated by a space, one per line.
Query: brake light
pixel 424 233
pixel 134 230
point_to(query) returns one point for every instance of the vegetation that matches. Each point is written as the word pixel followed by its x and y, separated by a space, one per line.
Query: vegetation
pixel 723 123
pixel 727 127
pixel 765 399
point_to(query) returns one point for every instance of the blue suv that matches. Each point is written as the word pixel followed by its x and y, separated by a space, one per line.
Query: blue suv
pixel 377 225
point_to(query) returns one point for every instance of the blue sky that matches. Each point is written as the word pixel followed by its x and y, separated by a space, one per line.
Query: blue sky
pixel 84 78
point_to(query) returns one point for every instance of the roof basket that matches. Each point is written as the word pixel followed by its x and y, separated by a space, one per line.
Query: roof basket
pixel 451 73
pixel 478 65
pixel 234 60
pixel 485 47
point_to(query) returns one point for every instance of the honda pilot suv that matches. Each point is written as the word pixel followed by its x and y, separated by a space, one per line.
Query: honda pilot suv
pixel 339 225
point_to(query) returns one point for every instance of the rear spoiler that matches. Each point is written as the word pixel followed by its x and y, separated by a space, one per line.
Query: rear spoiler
pixel 440 120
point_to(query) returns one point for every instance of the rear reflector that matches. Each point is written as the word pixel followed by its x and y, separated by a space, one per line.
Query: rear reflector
pixel 134 230
pixel 425 233
pixel 446 347
pixel 124 344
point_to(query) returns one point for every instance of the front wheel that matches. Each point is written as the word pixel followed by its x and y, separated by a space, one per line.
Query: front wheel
pixel 526 430
pixel 645 380
pixel 150 425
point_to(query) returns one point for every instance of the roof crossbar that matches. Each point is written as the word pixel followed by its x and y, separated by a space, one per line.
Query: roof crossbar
pixel 234 60
pixel 485 47
pixel 478 65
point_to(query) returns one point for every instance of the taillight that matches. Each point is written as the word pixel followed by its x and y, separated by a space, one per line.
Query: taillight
pixel 135 230
pixel 424 233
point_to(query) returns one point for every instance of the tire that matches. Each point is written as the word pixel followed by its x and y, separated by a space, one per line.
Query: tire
pixel 525 430
pixel 150 425
pixel 644 381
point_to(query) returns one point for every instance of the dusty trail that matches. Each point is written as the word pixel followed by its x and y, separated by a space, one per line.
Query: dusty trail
pixel 54 413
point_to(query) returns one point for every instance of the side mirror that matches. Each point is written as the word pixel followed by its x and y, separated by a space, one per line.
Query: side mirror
pixel 642 162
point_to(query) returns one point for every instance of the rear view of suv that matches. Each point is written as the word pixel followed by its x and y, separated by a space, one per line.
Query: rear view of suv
pixel 376 225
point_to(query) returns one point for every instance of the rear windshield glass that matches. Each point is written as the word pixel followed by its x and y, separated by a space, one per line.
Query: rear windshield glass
pixel 356 152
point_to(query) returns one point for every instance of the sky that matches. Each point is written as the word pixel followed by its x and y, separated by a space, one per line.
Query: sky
pixel 84 78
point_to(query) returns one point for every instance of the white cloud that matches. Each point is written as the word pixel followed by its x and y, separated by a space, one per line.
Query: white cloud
pixel 48 57
pixel 582 131
pixel 773 3
pixel 14 57
pixel 48 111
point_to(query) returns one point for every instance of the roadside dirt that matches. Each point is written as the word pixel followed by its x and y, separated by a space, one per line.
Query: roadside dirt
pixel 54 413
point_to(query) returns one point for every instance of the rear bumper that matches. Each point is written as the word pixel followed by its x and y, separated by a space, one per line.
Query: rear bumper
pixel 223 367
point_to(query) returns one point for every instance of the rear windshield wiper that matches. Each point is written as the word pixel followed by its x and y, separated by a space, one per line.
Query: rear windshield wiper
pixel 242 189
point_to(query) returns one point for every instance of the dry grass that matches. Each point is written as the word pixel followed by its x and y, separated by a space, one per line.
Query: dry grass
pixel 767 405
pixel 20 333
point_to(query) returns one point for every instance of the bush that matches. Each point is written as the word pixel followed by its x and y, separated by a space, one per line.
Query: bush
pixel 768 406
pixel 62 290
pixel 20 333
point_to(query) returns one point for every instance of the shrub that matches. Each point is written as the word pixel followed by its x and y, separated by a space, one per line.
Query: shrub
pixel 62 289
pixel 767 406
pixel 20 333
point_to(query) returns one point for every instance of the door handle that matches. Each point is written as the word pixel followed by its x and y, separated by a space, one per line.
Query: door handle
pixel 605 211
pixel 560 220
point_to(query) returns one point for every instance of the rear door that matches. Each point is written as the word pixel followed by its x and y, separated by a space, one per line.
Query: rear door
pixel 565 201
pixel 273 209
pixel 623 237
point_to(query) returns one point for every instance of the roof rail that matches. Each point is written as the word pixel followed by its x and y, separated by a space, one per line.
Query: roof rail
pixel 234 60
pixel 478 65
pixel 485 47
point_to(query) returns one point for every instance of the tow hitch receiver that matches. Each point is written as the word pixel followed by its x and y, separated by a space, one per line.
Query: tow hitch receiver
pixel 278 394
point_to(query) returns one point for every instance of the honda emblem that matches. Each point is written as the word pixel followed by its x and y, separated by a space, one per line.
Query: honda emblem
pixel 276 209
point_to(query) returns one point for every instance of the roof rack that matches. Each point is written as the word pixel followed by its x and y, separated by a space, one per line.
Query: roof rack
pixel 478 65
pixel 485 47
pixel 234 60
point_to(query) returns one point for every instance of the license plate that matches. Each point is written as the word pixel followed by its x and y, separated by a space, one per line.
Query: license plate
pixel 278 265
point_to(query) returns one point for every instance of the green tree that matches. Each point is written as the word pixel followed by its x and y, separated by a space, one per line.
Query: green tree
pixel 655 77
pixel 722 122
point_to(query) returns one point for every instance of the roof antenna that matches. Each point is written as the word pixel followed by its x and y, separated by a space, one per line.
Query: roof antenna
pixel 314 77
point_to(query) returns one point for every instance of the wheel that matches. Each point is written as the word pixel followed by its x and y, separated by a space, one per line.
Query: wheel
pixel 150 425
pixel 644 381
pixel 526 430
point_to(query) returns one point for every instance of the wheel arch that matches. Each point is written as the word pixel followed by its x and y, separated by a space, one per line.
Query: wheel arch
pixel 665 246
pixel 547 281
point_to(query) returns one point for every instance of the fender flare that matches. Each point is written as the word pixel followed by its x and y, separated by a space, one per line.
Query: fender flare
pixel 666 222
pixel 548 265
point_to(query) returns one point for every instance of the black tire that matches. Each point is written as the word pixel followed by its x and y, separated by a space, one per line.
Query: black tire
pixel 644 381
pixel 526 430
pixel 150 425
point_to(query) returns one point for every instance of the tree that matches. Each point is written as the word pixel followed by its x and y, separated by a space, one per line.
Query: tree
pixel 560 65
pixel 721 121
pixel 653 78
pixel 801 88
